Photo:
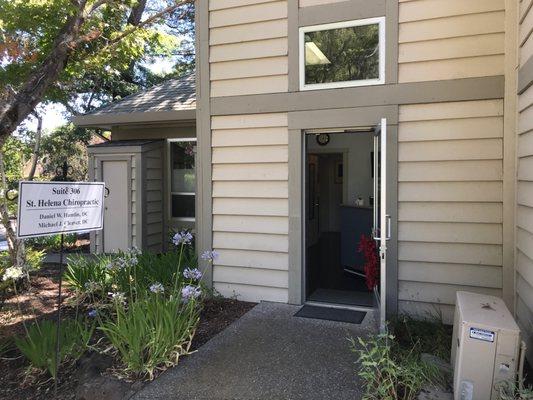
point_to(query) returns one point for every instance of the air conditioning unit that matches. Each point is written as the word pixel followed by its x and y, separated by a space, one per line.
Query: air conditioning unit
pixel 485 346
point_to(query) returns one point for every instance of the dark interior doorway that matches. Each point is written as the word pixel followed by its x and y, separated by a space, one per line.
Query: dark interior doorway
pixel 339 210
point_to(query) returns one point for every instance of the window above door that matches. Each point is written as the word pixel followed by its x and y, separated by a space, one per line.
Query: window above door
pixel 342 54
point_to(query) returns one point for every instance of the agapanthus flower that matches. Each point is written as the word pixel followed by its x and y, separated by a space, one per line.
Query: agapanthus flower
pixel 134 251
pixel 118 297
pixel 182 237
pixel 157 288
pixel 190 292
pixel 91 286
pixel 194 274
pixel 92 313
pixel 209 255
pixel 13 273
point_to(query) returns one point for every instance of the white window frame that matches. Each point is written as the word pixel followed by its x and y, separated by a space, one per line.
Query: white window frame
pixel 380 21
pixel 169 181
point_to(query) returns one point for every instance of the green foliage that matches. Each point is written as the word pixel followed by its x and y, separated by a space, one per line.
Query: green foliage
pixel 53 242
pixel 39 343
pixel 16 153
pixel 34 260
pixel 152 332
pixel 430 335
pixel 389 372
pixel 66 143
pixel 144 305
pixel 129 273
pixel 104 68
pixel 511 391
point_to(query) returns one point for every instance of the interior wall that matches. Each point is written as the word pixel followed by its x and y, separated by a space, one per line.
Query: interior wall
pixel 330 192
pixel 358 168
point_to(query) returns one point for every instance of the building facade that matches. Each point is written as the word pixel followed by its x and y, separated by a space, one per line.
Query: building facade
pixel 279 82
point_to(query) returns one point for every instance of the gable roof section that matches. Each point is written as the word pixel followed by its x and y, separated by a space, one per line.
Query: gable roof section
pixel 172 100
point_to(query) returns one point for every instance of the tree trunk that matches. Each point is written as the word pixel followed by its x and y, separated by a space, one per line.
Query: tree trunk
pixel 20 105
pixel 16 248
pixel 36 147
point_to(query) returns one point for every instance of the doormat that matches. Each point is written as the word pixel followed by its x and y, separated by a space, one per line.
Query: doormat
pixel 331 314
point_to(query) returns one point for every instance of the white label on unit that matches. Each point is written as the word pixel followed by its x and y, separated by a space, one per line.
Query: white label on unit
pixel 466 390
pixel 482 334
pixel 47 208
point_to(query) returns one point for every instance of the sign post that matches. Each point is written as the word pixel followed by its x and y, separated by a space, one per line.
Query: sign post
pixel 48 208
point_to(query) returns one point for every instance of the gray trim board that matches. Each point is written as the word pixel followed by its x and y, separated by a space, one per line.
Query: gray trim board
pixel 108 120
pixel 296 211
pixel 392 27
pixel 293 46
pixel 393 94
pixel 342 118
pixel 204 201
pixel 392 209
pixel 525 76
pixel 343 11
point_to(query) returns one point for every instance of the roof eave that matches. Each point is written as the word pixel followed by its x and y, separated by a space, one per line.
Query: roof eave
pixel 107 120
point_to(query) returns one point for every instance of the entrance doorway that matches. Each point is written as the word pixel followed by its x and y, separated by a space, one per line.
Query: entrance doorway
pixel 345 214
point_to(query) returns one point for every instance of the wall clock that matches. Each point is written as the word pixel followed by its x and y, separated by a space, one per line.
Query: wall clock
pixel 322 139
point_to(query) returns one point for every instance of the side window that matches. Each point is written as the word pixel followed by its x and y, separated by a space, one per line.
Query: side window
pixel 182 180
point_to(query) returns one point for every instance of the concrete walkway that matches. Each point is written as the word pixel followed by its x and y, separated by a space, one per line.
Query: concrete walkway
pixel 268 354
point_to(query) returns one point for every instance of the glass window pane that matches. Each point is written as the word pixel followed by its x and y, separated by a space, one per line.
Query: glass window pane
pixel 182 166
pixel 343 54
pixel 183 179
pixel 183 206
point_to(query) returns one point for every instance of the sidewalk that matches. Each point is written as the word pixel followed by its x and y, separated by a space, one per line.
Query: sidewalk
pixel 268 354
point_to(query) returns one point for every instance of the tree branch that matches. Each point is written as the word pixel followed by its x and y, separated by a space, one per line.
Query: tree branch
pixel 147 21
pixel 32 92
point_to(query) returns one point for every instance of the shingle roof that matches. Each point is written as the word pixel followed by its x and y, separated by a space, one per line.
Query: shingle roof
pixel 172 95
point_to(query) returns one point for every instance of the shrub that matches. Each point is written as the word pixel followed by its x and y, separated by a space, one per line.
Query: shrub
pixel 34 260
pixel 390 373
pixel 53 242
pixel 39 343
pixel 508 390
pixel 430 335
pixel 152 332
pixel 85 274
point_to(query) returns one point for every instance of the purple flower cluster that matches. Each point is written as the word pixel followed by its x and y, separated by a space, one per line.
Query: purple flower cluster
pixel 190 292
pixel 193 274
pixel 157 288
pixel 182 237
pixel 209 255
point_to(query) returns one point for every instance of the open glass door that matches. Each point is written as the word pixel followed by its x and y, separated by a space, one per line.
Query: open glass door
pixel 381 220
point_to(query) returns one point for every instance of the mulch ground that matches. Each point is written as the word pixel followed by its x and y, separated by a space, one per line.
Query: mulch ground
pixel 40 301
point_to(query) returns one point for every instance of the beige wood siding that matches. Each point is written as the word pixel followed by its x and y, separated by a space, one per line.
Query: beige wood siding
pixel 450 203
pixel 250 206
pixel 248 51
pixel 450 39
pixel 153 200
pixel 524 211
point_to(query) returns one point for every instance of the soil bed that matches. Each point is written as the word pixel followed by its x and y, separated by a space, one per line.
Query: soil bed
pixel 40 301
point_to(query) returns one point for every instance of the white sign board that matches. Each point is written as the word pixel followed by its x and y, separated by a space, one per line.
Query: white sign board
pixel 47 208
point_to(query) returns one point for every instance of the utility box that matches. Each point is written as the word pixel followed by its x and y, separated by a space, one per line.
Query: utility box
pixel 485 346
pixel 133 209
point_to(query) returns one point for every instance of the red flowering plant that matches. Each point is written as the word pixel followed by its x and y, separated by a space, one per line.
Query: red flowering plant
pixel 367 246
